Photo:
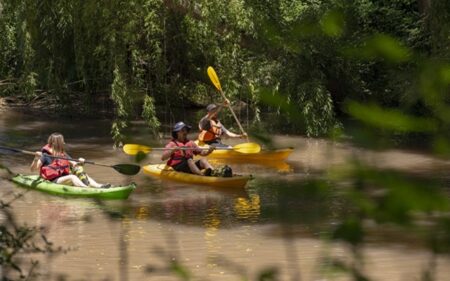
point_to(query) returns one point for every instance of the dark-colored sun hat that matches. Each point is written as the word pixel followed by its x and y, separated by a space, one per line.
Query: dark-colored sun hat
pixel 178 127
pixel 211 107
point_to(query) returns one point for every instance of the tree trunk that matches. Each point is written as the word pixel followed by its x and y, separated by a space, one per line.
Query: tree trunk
pixel 424 6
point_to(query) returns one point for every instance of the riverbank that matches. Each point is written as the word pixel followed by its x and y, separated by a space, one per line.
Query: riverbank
pixel 49 107
pixel 39 106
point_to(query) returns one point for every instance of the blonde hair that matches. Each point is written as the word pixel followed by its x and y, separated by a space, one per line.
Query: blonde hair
pixel 56 142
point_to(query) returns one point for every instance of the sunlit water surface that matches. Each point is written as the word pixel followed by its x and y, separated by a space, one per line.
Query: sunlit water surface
pixel 216 234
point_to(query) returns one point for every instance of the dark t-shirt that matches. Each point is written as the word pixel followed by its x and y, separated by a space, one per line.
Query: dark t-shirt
pixel 47 160
pixel 205 123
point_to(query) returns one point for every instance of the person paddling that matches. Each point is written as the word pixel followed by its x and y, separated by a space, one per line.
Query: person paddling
pixel 182 160
pixel 212 130
pixel 59 170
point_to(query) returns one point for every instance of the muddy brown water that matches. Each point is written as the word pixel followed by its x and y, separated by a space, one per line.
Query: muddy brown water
pixel 217 234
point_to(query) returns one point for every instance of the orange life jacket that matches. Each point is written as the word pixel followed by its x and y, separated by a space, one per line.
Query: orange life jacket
pixel 213 133
pixel 57 168
pixel 179 155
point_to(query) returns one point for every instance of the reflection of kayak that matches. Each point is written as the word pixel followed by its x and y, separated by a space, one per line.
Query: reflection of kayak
pixel 164 171
pixel 264 155
pixel 38 183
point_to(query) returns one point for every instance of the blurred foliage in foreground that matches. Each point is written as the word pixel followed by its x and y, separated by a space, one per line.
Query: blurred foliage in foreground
pixel 417 102
pixel 19 242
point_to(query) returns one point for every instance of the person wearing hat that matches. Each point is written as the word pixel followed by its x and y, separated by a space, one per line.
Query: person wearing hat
pixel 183 160
pixel 211 129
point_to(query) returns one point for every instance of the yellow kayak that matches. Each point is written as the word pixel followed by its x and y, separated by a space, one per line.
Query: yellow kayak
pixel 164 171
pixel 264 155
pixel 279 166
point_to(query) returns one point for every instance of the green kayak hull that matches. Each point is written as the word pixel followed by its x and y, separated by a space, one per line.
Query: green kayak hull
pixel 38 183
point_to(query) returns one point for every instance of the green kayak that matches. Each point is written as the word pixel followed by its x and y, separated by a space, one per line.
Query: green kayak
pixel 38 183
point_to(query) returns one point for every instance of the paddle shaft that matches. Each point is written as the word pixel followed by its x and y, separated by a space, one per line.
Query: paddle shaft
pixel 215 80
pixel 234 115
pixel 191 148
pixel 52 156
pixel 246 148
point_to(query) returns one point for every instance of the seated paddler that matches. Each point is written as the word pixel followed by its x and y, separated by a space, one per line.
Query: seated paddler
pixel 180 153
pixel 53 165
pixel 212 130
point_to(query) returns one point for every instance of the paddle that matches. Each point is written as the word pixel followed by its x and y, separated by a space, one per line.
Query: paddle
pixel 126 169
pixel 246 148
pixel 215 80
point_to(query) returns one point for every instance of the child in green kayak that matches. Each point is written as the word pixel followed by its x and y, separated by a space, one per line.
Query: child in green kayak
pixel 212 130
pixel 59 170
pixel 182 160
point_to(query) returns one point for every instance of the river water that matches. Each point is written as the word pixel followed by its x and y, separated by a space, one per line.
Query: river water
pixel 215 234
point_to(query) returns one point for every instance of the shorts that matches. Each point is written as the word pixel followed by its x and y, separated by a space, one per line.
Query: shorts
pixel 183 166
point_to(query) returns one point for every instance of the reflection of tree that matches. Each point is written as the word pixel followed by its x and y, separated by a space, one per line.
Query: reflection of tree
pixel 212 223
pixel 123 248
pixel 142 213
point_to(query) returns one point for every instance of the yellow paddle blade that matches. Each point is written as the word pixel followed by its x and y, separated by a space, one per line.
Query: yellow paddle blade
pixel 214 79
pixel 133 149
pixel 247 148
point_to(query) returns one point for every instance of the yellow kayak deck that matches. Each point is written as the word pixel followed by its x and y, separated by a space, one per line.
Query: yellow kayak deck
pixel 166 172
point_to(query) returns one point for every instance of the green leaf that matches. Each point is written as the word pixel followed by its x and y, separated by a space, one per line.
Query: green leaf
pixel 389 119
pixel 380 46
pixel 350 231
pixel 441 146
pixel 140 156
pixel 180 271
pixel 333 23
pixel 268 275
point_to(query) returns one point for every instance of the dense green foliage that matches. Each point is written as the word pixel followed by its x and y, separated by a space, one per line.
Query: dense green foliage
pixel 74 52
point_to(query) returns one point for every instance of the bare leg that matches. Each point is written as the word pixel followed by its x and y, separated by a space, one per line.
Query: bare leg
pixel 73 179
pixel 93 183
pixel 194 168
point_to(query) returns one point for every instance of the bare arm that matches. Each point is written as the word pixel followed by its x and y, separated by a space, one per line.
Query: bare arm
pixel 36 164
pixel 231 134
pixel 206 152
pixel 167 153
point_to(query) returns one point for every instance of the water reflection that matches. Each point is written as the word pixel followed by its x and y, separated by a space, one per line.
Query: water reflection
pixel 142 213
pixel 248 209
pixel 212 223
pixel 200 225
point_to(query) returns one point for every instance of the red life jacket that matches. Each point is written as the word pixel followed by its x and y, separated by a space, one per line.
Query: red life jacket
pixel 213 133
pixel 57 168
pixel 179 155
